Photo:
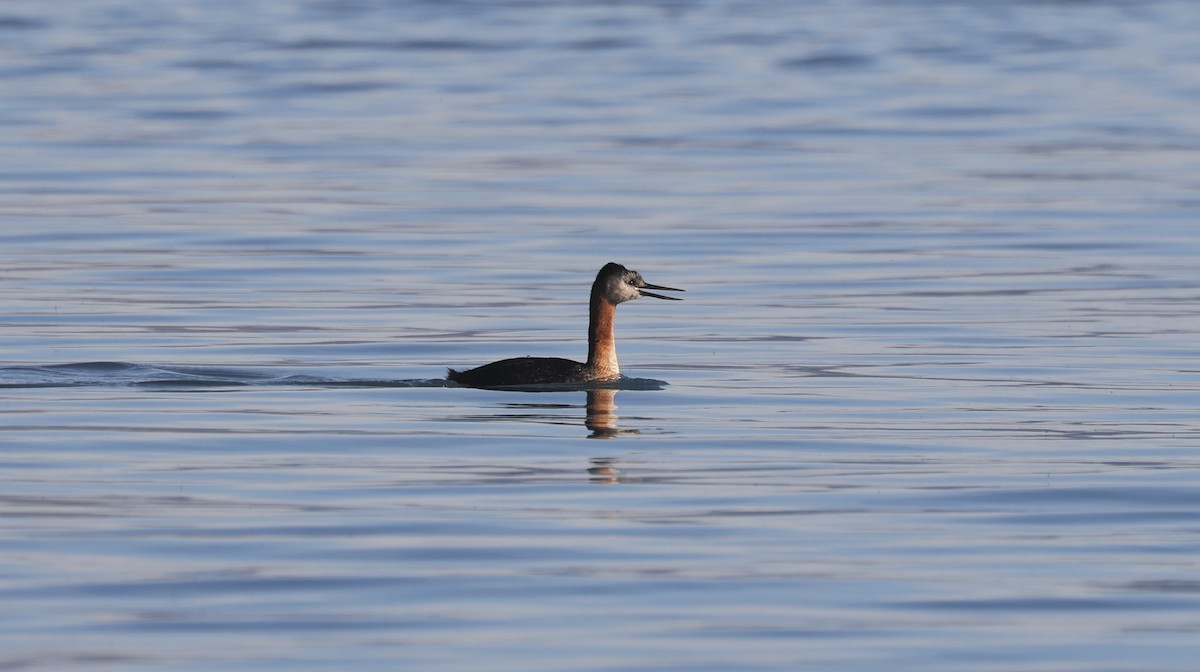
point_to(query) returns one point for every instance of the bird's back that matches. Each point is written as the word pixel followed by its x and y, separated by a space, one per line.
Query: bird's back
pixel 522 371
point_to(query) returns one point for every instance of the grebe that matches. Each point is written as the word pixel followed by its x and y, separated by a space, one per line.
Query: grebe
pixel 614 284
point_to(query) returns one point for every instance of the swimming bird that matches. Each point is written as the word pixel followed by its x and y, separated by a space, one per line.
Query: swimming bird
pixel 614 284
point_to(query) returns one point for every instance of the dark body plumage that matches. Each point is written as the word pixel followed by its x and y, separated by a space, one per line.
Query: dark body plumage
pixel 522 371
pixel 614 284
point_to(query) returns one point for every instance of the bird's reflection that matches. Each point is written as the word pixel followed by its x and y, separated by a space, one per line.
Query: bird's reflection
pixel 604 470
pixel 602 422
pixel 600 418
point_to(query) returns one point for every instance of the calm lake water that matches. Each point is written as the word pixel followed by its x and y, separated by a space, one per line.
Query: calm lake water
pixel 930 402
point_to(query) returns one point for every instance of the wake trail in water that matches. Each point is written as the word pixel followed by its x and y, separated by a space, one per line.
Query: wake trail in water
pixel 161 377
pixel 122 374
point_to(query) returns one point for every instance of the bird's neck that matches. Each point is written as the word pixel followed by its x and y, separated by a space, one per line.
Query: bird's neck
pixel 602 345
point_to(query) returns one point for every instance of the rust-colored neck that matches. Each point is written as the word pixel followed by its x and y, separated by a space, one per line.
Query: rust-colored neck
pixel 602 345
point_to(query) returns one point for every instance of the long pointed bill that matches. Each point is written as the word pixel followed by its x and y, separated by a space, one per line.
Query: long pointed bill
pixel 643 292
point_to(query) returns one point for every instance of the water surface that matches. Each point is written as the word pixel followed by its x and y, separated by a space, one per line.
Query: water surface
pixel 930 402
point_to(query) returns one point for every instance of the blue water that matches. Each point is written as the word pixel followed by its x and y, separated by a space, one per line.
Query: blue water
pixel 929 402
